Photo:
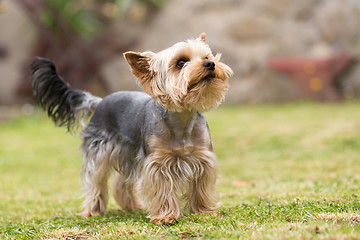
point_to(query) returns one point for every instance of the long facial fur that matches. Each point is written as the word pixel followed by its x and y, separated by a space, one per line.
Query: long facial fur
pixel 182 89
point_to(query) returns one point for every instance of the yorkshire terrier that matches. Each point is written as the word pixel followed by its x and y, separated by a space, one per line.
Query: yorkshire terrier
pixel 157 143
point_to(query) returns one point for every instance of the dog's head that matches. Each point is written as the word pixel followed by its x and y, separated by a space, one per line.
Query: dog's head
pixel 186 76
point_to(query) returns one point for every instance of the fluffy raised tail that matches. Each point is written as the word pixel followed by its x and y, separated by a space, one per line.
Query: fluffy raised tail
pixel 64 105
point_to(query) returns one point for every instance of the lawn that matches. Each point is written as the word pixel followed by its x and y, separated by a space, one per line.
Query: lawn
pixel 287 171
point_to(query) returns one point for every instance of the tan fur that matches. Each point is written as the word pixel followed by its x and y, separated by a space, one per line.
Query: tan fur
pixel 98 161
pixel 202 37
pixel 96 189
pixel 140 68
pixel 172 170
pixel 123 192
pixel 173 88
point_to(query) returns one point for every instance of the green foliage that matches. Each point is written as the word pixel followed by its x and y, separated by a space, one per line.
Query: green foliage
pixel 285 172
pixel 86 18
pixel 71 14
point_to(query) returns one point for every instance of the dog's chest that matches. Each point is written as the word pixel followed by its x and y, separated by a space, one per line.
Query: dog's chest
pixel 180 150
pixel 181 142
pixel 185 159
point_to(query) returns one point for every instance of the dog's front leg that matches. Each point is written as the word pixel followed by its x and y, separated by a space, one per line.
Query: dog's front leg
pixel 202 194
pixel 160 188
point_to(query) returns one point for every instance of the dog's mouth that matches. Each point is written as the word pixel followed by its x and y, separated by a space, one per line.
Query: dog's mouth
pixel 205 79
pixel 208 77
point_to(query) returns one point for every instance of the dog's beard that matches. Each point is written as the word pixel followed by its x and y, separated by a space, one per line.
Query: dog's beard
pixel 203 81
pixel 206 94
pixel 200 95
pixel 196 88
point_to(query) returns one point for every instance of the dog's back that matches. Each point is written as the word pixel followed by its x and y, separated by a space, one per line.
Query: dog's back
pixel 118 124
pixel 116 110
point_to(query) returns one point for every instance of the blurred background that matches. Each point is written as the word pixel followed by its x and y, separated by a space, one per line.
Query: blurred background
pixel 280 50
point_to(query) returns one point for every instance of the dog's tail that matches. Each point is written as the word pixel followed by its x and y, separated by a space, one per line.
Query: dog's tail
pixel 64 105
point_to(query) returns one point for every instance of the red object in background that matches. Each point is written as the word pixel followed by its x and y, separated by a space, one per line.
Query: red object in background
pixel 314 77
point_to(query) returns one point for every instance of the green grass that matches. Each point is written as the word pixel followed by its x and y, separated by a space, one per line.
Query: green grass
pixel 286 172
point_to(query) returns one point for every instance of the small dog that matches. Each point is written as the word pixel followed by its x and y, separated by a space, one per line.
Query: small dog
pixel 157 144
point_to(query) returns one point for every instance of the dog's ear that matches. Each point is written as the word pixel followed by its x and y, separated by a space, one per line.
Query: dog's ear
pixel 139 63
pixel 202 37
pixel 140 67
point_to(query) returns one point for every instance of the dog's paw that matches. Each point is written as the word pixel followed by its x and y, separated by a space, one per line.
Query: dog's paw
pixel 211 211
pixel 87 213
pixel 168 220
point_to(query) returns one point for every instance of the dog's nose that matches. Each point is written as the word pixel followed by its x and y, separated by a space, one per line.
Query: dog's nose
pixel 209 65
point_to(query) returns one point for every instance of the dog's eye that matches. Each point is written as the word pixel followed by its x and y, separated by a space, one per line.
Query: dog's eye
pixel 181 63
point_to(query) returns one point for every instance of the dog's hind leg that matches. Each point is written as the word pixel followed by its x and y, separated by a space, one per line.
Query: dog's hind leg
pixel 95 174
pixel 123 191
